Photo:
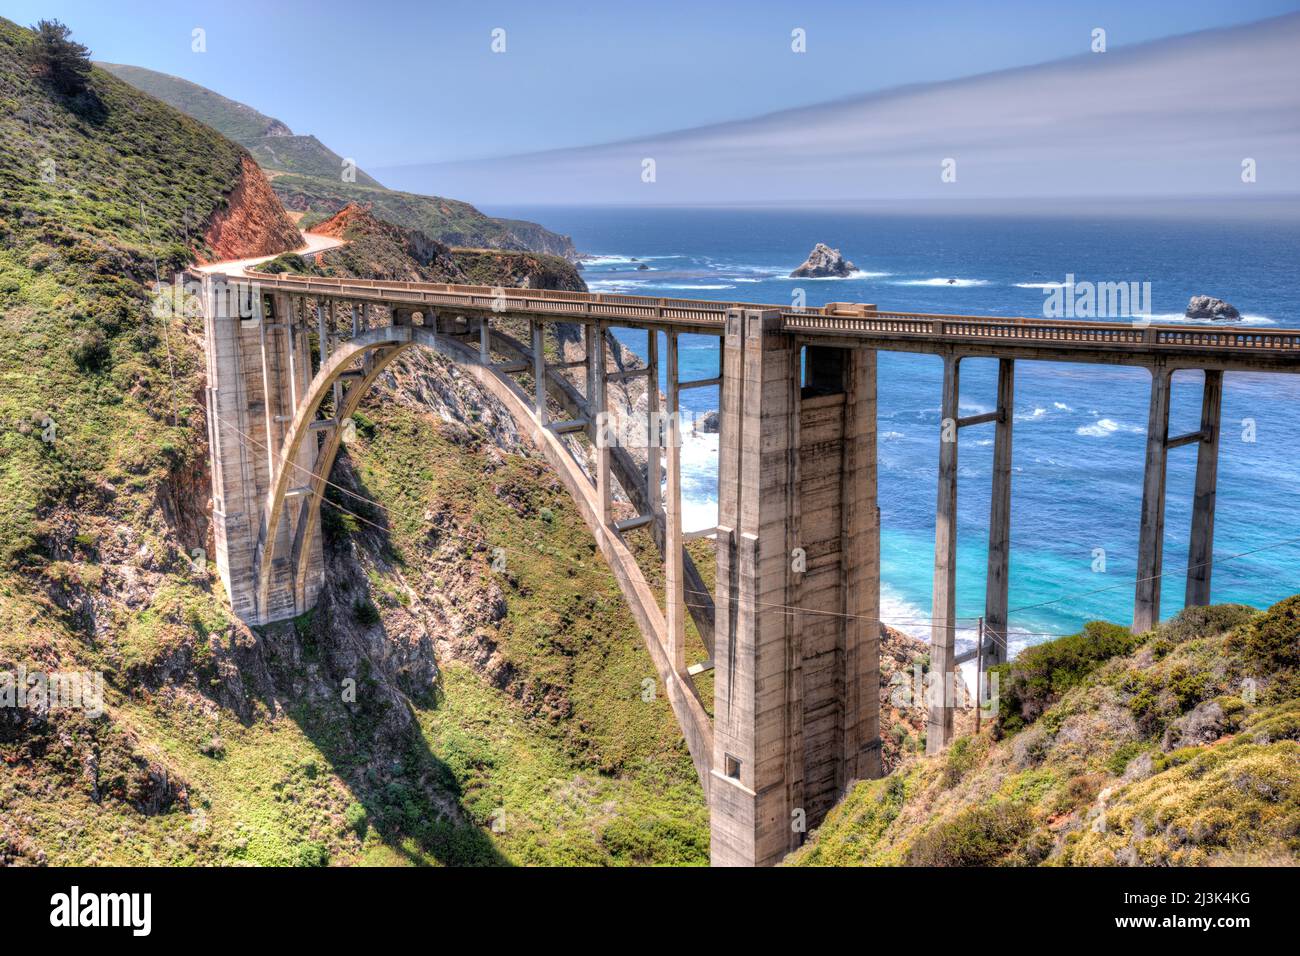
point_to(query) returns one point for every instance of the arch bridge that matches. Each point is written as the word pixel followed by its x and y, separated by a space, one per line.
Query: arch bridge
pixel 794 645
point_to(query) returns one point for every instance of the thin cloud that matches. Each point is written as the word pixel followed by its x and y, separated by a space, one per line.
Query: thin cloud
pixel 1171 118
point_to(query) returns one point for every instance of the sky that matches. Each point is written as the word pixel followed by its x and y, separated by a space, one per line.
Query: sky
pixel 397 84
pixel 1209 114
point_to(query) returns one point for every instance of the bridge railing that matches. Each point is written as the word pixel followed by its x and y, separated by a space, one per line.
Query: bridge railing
pixel 835 318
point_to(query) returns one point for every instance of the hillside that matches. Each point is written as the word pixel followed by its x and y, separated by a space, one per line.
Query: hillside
pixel 447 220
pixel 498 717
pixel 380 250
pixel 272 143
pixel 1179 747
pixel 307 175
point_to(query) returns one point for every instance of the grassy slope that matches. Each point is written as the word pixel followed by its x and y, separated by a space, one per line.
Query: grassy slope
pixel 595 774
pixel 79 343
pixel 266 138
pixel 449 221
pixel 306 173
pixel 94 576
pixel 1182 749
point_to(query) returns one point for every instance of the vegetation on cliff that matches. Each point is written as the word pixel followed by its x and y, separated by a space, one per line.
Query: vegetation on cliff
pixel 1180 746
pixel 481 728
pixel 308 175
pixel 377 249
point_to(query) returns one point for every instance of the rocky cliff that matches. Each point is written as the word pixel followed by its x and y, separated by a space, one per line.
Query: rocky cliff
pixel 251 222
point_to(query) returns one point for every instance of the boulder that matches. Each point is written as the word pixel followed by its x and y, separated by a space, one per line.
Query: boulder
pixel 1208 307
pixel 823 261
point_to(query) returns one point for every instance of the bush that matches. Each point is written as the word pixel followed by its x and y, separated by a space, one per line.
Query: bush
pixel 355 818
pixel 1273 641
pixel 90 351
pixel 1039 675
pixel 979 836
pixel 365 613
pixel 312 854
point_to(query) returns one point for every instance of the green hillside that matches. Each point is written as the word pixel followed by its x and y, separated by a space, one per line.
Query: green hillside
pixel 271 142
pixel 306 174
pixel 449 221
pixel 1179 747
pixel 217 744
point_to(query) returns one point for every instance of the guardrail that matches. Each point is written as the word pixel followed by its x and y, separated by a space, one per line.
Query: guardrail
pixel 835 319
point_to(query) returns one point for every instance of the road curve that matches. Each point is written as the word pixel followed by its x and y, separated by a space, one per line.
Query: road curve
pixel 314 244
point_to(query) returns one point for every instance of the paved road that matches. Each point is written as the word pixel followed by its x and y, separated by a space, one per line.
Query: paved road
pixel 314 244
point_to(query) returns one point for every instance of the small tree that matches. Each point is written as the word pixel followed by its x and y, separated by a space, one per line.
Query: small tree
pixel 61 60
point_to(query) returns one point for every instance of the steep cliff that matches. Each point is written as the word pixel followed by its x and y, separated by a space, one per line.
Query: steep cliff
pixel 251 222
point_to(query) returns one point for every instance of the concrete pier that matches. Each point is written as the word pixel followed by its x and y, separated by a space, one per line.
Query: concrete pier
pixel 796 710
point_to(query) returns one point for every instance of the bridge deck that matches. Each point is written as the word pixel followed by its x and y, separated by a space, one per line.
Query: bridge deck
pixel 848 324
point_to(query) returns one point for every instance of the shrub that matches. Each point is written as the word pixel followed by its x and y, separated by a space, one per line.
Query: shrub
pixel 1273 641
pixel 312 854
pixel 1039 675
pixel 90 351
pixel 365 613
pixel 355 817
pixel 978 836
pixel 963 755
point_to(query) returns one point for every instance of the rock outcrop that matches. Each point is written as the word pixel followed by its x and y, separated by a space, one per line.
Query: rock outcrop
pixel 823 262
pixel 252 222
pixel 1208 307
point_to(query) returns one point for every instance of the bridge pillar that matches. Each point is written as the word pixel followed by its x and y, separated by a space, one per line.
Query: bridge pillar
pixel 1200 552
pixel 997 584
pixel 796 689
pixel 258 364
pixel 943 613
pixel 1151 535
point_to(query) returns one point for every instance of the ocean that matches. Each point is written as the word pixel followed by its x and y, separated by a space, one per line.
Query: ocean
pixel 1079 437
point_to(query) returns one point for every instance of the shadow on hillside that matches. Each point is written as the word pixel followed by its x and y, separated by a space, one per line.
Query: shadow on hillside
pixel 410 797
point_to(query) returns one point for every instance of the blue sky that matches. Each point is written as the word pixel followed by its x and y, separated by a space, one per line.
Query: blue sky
pixel 397 83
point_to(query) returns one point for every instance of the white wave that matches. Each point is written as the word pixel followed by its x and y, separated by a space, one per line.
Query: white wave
pixel 699 463
pixel 616 259
pixel 1177 318
pixel 1036 414
pixel 685 285
pixel 1062 406
pixel 1043 285
pixel 891 436
pixel 855 274
pixel 1105 427
pixel 950 283
pixel 616 285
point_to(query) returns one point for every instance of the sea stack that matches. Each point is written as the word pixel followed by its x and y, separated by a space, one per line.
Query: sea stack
pixel 822 262
pixel 1208 307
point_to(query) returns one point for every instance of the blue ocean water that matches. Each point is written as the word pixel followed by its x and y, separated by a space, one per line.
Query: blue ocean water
pixel 1080 429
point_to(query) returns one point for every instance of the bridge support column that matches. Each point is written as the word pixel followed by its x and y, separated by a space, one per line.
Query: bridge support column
pixel 796 693
pixel 538 331
pixel 598 411
pixel 1200 552
pixel 997 584
pixel 257 367
pixel 674 565
pixel 943 608
pixel 1151 536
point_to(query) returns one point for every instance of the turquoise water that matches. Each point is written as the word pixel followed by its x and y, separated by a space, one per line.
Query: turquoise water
pixel 1080 429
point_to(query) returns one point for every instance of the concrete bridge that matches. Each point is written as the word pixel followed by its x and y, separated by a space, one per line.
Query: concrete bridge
pixel 794 644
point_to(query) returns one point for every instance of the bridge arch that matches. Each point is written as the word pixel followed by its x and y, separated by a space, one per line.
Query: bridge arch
pixel 375 350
